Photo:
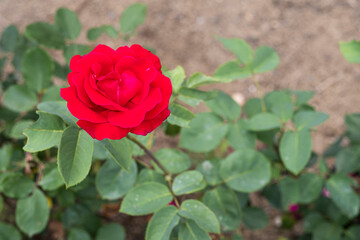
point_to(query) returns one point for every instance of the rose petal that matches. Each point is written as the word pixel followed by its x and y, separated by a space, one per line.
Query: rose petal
pixel 108 51
pixel 73 62
pixel 100 131
pixel 78 108
pixel 133 117
pixel 87 61
pixel 164 84
pixel 125 51
pixel 144 53
pixel 78 81
pixel 148 126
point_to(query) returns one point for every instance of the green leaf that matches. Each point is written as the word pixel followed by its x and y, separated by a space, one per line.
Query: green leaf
pixel 75 155
pixel 78 234
pixel 111 231
pixel 75 49
pixel 51 94
pixel 295 150
pixel 37 68
pixel 202 215
pixel 210 170
pixel 193 97
pixel 132 17
pixel 238 136
pixel 253 107
pixel 311 221
pixel 302 97
pixel 17 185
pixel 180 115
pixel 224 203
pixel 145 198
pixel 239 47
pixel 341 193
pixel 188 182
pixel 18 128
pixel 19 98
pixel 120 151
pixel 280 103
pixel 189 230
pixel 58 108
pixel 61 71
pixel 225 106
pixel 44 133
pixel 32 213
pixel 348 160
pixel 147 175
pixel 9 39
pixel 309 119
pixel 327 231
pixel 175 161
pixel 290 192
pixel 177 77
pixel 310 186
pixel 255 218
pixel 245 170
pixel 353 232
pixel 45 34
pixel 52 180
pixel 352 122
pixel 68 23
pixel 9 232
pixel 162 224
pixel 113 182
pixel 145 140
pixel 351 51
pixel 198 79
pixel 205 133
pixel 110 31
pixel 230 71
pixel 266 59
pixel 5 155
pixel 263 121
pixel 94 33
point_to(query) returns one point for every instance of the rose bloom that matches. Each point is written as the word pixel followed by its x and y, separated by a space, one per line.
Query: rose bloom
pixel 114 92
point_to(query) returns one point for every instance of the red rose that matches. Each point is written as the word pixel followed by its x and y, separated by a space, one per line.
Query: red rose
pixel 113 92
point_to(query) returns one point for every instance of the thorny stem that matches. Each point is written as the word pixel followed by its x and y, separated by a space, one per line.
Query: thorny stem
pixel 166 172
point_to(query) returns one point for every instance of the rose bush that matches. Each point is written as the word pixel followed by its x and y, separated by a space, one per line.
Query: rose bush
pixel 113 92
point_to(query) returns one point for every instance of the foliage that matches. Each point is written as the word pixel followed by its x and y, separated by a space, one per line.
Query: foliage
pixel 51 170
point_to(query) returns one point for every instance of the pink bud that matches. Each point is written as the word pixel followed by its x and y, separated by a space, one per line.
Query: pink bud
pixel 294 208
pixel 326 193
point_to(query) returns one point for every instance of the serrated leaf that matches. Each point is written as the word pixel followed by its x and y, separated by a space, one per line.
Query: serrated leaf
pixel 245 170
pixel 309 119
pixel 302 97
pixel 58 108
pixel 32 213
pixel 341 193
pixel 202 215
pixel 180 115
pixel 351 51
pixel 45 34
pixel 145 198
pixel 113 182
pixel 189 230
pixel 230 71
pixel 52 180
pixel 120 151
pixel 295 150
pixel 211 171
pixel 44 133
pixel 198 79
pixel 132 17
pixel 18 128
pixel 75 155
pixel 68 23
pixel 194 96
pixel 204 134
pixel 162 224
pixel 173 160
pixel 263 121
pixel 239 137
pixel 225 106
pixel 9 39
pixel 177 77
pixel 266 59
pixel 19 98
pixel 239 47
pixel 280 103
pixel 188 182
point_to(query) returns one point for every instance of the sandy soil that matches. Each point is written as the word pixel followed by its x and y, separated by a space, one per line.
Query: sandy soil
pixel 305 33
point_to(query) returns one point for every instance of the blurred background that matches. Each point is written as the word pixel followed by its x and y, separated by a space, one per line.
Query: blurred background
pixel 305 33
